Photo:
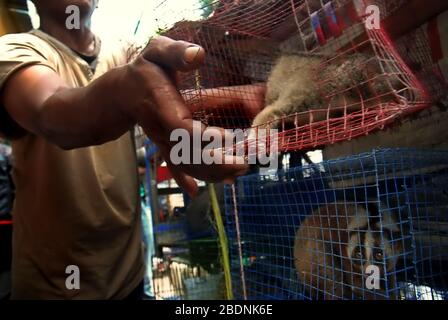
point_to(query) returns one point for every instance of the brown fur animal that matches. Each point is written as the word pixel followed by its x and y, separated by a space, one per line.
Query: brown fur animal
pixel 334 246
pixel 302 82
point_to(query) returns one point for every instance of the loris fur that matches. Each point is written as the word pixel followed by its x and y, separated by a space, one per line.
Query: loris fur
pixel 337 242
pixel 292 86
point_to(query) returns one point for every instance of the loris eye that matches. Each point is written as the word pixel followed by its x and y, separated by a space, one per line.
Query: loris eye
pixel 379 256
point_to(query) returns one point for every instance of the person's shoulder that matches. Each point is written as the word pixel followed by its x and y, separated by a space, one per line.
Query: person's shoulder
pixel 27 41
pixel 21 38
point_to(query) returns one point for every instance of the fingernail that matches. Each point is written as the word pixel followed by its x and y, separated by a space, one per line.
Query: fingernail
pixel 191 53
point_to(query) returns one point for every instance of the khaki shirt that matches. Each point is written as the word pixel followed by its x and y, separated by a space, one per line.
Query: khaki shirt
pixel 78 207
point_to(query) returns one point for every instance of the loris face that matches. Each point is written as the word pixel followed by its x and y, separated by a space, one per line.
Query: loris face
pixel 373 243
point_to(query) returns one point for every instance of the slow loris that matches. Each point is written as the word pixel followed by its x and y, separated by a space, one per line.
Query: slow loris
pixel 301 82
pixel 335 244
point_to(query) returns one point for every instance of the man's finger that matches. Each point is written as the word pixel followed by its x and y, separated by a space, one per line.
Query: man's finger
pixel 231 168
pixel 219 136
pixel 171 111
pixel 174 55
pixel 184 181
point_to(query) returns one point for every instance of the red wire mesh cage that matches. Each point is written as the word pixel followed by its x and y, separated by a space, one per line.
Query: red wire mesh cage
pixel 331 72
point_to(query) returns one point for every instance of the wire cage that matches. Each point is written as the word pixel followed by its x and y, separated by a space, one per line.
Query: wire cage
pixel 184 267
pixel 420 50
pixel 330 75
pixel 189 271
pixel 369 226
pixel 188 260
pixel 176 280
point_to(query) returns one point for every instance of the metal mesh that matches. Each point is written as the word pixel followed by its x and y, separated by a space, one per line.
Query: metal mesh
pixel 415 48
pixel 356 78
pixel 189 271
pixel 179 280
pixel 319 231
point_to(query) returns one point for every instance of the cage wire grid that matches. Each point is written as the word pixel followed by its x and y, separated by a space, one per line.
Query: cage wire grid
pixel 415 48
pixel 180 280
pixel 245 41
pixel 190 267
pixel 310 232
pixel 391 192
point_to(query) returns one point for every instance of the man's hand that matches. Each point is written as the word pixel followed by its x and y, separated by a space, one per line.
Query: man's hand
pixel 166 109
pixel 144 92
pixel 174 56
pixel 250 98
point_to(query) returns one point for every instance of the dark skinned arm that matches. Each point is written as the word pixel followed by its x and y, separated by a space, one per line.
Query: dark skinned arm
pixel 142 92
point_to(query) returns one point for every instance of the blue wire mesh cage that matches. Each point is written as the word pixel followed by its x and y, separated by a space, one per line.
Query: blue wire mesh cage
pixel 370 226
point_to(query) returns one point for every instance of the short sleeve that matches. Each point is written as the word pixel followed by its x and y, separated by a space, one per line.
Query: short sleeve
pixel 16 52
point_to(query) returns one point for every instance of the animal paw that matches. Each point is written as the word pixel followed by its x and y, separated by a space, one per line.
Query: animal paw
pixel 268 119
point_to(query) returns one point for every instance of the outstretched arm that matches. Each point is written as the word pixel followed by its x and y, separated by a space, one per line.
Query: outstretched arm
pixel 142 92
